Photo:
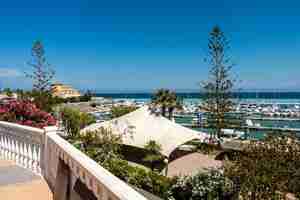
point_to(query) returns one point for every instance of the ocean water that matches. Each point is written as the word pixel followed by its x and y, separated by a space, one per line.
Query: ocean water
pixel 287 96
pixel 192 98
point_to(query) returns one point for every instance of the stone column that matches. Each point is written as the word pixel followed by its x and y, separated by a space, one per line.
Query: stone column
pixel 46 158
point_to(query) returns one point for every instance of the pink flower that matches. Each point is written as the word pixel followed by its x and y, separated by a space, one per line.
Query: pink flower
pixel 26 113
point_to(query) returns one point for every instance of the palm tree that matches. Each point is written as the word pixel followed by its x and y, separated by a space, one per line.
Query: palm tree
pixel 167 101
pixel 160 100
pixel 173 103
pixel 154 154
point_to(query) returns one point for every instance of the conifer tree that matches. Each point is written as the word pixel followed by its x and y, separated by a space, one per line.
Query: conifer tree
pixel 217 101
pixel 42 73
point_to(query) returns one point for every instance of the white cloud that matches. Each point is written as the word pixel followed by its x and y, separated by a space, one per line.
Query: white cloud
pixel 6 72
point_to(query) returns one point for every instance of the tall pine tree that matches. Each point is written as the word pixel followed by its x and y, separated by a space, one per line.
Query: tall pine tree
pixel 217 101
pixel 42 73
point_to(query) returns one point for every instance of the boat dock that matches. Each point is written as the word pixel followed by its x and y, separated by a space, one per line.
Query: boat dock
pixel 263 128
pixel 273 119
pixel 256 128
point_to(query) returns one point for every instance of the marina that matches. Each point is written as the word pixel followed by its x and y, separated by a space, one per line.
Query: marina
pixel 262 116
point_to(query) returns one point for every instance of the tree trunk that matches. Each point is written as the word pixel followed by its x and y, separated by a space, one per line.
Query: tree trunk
pixel 163 111
pixel 171 110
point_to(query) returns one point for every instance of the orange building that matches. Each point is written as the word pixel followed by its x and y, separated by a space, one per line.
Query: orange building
pixel 64 91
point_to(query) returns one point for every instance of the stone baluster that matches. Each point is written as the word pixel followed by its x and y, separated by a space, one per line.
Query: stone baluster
pixel 2 150
pixel 22 163
pixel 6 147
pixel 18 157
pixel 1 145
pixel 14 152
pixel 41 150
pixel 11 148
pixel 21 144
pixel 36 158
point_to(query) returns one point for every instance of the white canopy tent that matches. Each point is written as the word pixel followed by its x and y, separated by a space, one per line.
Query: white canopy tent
pixel 141 126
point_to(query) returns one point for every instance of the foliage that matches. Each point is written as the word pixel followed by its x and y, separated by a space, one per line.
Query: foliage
pixel 207 148
pixel 74 120
pixel 266 168
pixel 217 90
pixel 8 92
pixel 104 147
pixel 42 73
pixel 42 99
pixel 150 181
pixel 24 95
pixel 86 97
pixel 103 144
pixel 167 101
pixel 154 154
pixel 25 113
pixel 118 111
pixel 211 185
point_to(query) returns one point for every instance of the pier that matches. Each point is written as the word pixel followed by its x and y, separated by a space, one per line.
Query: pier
pixel 273 119
pixel 263 128
pixel 256 128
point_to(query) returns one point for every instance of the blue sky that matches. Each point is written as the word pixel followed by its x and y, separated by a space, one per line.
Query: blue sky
pixel 138 45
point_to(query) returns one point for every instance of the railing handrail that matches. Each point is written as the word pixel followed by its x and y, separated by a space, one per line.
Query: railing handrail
pixel 32 148
pixel 113 184
pixel 22 127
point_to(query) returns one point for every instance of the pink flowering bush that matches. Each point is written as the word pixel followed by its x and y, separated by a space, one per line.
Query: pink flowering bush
pixel 25 113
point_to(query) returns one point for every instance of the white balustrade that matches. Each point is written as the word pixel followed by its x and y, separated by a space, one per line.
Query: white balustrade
pixel 40 151
pixel 104 185
pixel 21 144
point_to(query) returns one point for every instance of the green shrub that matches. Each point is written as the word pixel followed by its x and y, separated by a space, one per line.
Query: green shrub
pixel 207 148
pixel 73 120
pixel 153 156
pixel 267 167
pixel 211 185
pixel 118 111
pixel 118 167
pixel 8 92
pixel 104 147
pixel 160 184
pixel 104 142
pixel 139 178
pixel 86 97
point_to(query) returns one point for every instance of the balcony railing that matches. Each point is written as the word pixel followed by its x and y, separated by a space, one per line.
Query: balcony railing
pixel 68 172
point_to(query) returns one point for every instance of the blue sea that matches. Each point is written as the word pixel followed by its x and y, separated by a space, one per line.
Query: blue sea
pixel 193 97
pixel 295 96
